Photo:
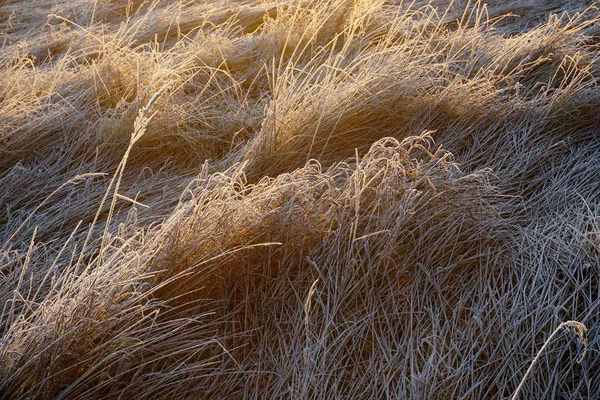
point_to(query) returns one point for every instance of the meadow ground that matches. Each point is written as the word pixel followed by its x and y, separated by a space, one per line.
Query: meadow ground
pixel 343 199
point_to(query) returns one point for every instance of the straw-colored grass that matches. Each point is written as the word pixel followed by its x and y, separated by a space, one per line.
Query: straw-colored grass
pixel 299 199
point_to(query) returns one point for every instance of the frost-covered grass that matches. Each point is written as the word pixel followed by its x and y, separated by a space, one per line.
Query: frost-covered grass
pixel 299 199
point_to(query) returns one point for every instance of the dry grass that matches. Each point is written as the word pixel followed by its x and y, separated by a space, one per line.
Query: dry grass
pixel 299 199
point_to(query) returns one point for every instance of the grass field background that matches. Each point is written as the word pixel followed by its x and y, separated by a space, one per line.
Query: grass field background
pixel 342 199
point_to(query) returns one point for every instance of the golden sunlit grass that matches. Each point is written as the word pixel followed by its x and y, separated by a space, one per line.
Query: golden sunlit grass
pixel 299 199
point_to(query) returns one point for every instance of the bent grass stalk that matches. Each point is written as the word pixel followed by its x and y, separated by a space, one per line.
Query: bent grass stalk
pixel 140 124
pixel 577 327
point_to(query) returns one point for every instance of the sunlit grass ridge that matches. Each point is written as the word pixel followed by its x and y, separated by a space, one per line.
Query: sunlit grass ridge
pixel 299 199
